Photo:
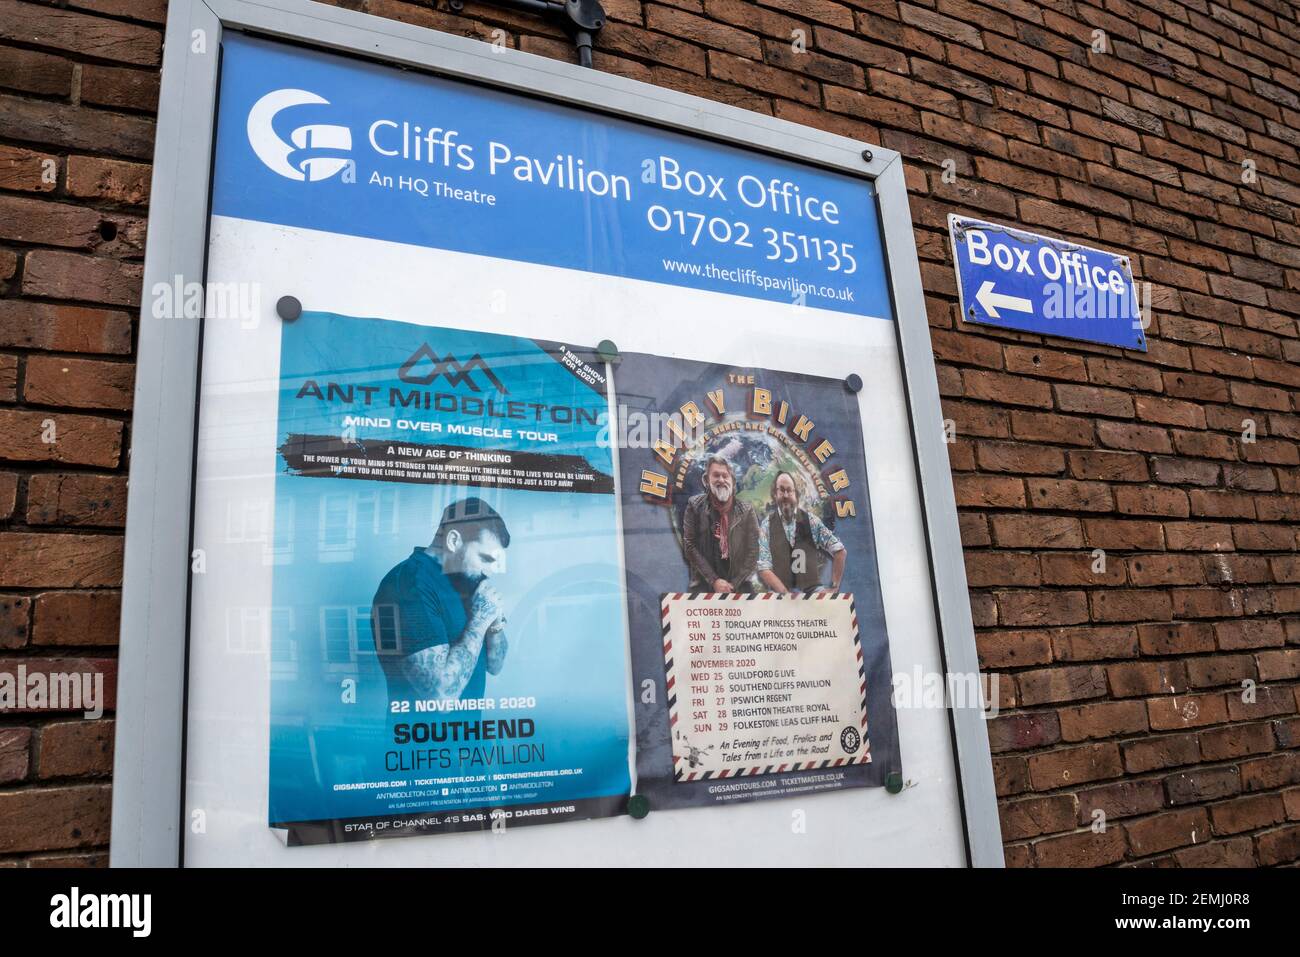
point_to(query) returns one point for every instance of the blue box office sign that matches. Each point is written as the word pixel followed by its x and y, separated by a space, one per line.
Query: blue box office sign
pixel 1020 280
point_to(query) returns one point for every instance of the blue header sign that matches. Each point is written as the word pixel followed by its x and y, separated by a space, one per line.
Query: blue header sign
pixel 340 145
pixel 1018 280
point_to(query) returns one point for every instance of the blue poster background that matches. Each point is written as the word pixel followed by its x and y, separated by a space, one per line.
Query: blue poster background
pixel 336 537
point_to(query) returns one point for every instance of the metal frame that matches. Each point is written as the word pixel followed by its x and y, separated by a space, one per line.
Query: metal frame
pixel 149 763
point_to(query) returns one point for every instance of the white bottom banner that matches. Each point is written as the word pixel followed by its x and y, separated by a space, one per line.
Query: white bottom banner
pixel 763 683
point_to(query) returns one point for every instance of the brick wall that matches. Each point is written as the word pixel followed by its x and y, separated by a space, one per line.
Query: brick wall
pixel 1122 684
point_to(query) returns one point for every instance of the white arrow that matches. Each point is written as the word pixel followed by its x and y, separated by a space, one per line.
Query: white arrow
pixel 992 301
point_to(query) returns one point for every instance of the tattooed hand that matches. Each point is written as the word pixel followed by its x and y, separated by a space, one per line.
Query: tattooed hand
pixel 485 606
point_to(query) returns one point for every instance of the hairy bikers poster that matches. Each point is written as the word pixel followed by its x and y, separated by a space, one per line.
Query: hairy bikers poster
pixel 448 646
pixel 757 628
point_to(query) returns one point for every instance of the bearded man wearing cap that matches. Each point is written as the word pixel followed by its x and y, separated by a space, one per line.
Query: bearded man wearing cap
pixel 438 625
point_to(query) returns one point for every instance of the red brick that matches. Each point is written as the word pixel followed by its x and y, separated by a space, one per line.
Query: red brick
pixel 1203 388
pixel 1236 741
pixel 853 48
pixel 1178 712
pixel 1048 427
pixel 1234 853
pixel 1221 504
pixel 1279 847
pixel 1019 732
pixel 1198 536
pixel 1204 445
pixel 1264 537
pixel 1163 751
pixel 1129 604
pixel 1091 400
pixel 1034 531
pixel 1215 671
pixel 972 419
pixel 73 618
pixel 937 23
pixel 1019 459
pixel 78 383
pixel 1247 814
pixel 1107 719
pixel 1074 766
pixel 1119 800
pixel 76 499
pixel 1109 466
pixel 1094 643
pixel 1269 701
pixel 974 530
pixel 59 437
pixel 76 749
pixel 1272 772
pixel 1010 775
pixel 8 382
pixel 1039 815
pixel 1165 569
pixel 732 69
pixel 63 328
pixel 62 275
pixel 1169 412
pixel 1283 665
pixel 1176 638
pixel 116 181
pixel 1185 471
pixel 15 754
pixel 1042 607
pixel 25 169
pixel 1201 785
pixel 1082 849
pixel 1069 495
pixel 15 618
pixel 1080 568
pixel 8 495
pixel 1205 602
pixel 34 72
pixel 873 109
pixel 1291 799
pixel 79 33
pixel 119 88
pixel 1137 678
pixel 1152 500
pixel 1137 438
pixel 1162 832
pixel 1001 568
pixel 39 819
pixel 823 11
pixel 1112 533
pixel 1249 633
pixel 988 491
pixel 76 127
pixel 30 560
pixel 1050 685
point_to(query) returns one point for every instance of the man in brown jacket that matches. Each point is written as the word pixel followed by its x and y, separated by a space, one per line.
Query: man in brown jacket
pixel 720 533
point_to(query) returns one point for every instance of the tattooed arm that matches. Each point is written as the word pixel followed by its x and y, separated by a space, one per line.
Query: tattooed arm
pixel 497 646
pixel 443 670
